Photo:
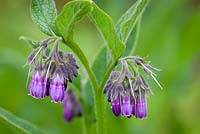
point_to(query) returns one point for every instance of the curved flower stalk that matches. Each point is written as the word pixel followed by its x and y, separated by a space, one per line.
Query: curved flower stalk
pixel 127 90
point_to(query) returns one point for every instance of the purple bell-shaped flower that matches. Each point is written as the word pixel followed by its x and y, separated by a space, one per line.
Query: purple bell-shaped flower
pixel 57 87
pixel 71 106
pixel 37 87
pixel 116 108
pixel 126 107
pixel 141 107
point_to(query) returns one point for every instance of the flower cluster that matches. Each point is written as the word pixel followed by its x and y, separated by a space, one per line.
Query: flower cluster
pixel 50 75
pixel 127 90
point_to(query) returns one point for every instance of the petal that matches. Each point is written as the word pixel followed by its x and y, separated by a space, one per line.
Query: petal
pixel 116 106
pixel 126 107
pixel 141 108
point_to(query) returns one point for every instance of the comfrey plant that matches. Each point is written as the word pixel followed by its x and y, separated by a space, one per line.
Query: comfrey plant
pixel 53 71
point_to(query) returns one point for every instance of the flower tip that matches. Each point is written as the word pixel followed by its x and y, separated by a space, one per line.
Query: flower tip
pixel 116 112
pixel 116 108
pixel 129 116
pixel 68 117
pixel 56 100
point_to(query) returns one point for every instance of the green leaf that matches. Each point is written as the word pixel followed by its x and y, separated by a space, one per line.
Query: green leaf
pixel 130 43
pixel 133 40
pixel 106 27
pixel 128 20
pixel 76 85
pixel 44 13
pixel 100 64
pixel 18 123
pixel 71 13
pixel 98 67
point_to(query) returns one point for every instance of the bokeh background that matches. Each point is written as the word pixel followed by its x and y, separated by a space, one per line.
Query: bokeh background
pixel 170 37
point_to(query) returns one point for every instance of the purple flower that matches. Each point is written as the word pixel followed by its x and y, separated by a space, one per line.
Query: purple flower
pixel 126 90
pixel 37 87
pixel 141 84
pixel 141 107
pixel 119 94
pixel 57 88
pixel 71 106
pixel 126 107
pixel 116 106
pixel 133 105
pixel 69 68
pixel 127 95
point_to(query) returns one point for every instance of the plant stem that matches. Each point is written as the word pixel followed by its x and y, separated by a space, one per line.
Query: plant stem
pixel 100 108
pixel 97 95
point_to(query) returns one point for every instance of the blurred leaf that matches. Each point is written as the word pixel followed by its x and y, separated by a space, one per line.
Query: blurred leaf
pixel 133 40
pixel 128 20
pixel 18 123
pixel 44 13
pixel 100 64
pixel 76 85
pixel 71 13
pixel 99 67
pixel 106 27
pixel 30 42
pixel 130 43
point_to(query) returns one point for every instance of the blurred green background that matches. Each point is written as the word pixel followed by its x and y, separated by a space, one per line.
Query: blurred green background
pixel 170 37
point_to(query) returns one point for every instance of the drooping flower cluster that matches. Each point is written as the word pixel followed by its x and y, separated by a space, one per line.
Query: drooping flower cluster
pixel 50 75
pixel 127 90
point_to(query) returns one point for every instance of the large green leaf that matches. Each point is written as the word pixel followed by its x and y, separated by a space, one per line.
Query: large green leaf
pixel 18 123
pixel 128 20
pixel 71 13
pixel 44 13
pixel 105 25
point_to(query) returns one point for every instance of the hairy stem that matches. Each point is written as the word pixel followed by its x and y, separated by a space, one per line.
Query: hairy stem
pixel 97 95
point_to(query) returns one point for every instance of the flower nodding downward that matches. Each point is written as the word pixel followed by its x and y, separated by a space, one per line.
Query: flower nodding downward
pixel 57 88
pixel 37 87
pixel 127 91
pixel 52 71
pixel 141 107
pixel 71 106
